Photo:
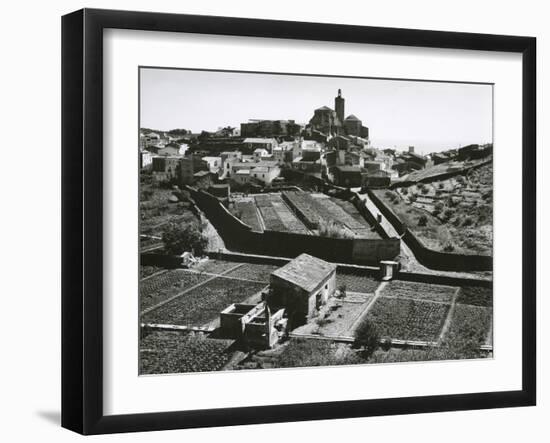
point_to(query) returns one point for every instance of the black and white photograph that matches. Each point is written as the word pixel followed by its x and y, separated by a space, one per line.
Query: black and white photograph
pixel 291 221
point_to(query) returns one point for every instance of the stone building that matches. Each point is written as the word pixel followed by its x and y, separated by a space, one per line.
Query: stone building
pixel 301 287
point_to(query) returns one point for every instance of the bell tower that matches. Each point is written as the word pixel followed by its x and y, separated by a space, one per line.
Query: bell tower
pixel 339 104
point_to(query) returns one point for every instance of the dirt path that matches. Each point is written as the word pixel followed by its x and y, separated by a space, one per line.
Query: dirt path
pixel 449 318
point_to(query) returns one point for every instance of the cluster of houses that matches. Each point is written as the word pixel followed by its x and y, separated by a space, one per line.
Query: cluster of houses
pixel 331 147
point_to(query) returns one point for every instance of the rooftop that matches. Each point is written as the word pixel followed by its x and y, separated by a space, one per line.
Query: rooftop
pixel 258 140
pixel 352 117
pixel 305 271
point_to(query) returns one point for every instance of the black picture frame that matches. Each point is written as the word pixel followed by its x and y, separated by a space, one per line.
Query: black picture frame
pixel 82 215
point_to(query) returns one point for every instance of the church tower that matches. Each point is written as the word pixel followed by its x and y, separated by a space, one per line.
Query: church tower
pixel 339 106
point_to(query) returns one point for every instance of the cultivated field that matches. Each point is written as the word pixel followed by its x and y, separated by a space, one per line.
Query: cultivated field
pixel 404 310
pixel 165 352
pixel 420 291
pixel 407 319
pixel 203 304
pixel 301 213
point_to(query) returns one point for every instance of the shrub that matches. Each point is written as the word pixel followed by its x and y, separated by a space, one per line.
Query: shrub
pixel 449 247
pixel 457 221
pixel 441 186
pixel 342 290
pixel 405 191
pixel 386 344
pixel 425 190
pixel 180 238
pixel 367 337
pixel 331 229
pixel 468 221
pixel 422 220
pixel 448 213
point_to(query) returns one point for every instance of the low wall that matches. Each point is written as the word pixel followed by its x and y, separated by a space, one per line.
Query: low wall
pixel 443 261
pixel 238 236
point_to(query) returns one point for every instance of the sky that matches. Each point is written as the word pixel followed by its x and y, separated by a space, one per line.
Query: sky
pixel 432 116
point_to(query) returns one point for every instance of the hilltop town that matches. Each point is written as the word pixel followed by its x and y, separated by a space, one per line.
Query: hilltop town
pixel 284 244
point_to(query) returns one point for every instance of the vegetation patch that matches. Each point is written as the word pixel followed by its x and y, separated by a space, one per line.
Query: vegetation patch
pixel 475 295
pixel 166 352
pixel 203 304
pixel 422 291
pixel 407 319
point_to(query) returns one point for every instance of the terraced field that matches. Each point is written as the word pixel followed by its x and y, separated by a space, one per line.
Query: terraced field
pixel 172 352
pixel 406 319
pixel 421 291
pixel 203 304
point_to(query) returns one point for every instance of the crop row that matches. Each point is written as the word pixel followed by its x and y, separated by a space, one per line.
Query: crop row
pixel 172 352
pixel 422 291
pixel 203 304
pixel 407 319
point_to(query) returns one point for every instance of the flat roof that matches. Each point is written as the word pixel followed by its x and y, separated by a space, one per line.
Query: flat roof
pixel 305 271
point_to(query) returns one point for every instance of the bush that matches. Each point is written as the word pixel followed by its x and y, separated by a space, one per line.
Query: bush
pixel 441 186
pixel 425 190
pixel 468 221
pixel 422 220
pixel 180 238
pixel 448 213
pixel 449 247
pixel 331 229
pixel 367 337
pixel 342 291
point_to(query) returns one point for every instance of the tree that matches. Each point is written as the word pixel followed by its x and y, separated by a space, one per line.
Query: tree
pixel 367 337
pixel 180 238
pixel 342 291
pixel 422 220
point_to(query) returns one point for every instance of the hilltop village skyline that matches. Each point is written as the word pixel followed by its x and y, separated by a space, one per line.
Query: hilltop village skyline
pixel 397 113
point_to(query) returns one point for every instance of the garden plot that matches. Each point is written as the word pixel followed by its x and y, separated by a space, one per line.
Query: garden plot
pixel 344 214
pixel 163 286
pixel 357 283
pixel 406 319
pixel 203 304
pixel 341 318
pixel 419 291
pixel 277 216
pixel 475 295
pixel 470 324
pixel 248 214
pixel 214 266
pixel 252 271
pixel 166 352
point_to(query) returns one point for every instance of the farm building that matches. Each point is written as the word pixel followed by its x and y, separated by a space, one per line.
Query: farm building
pixel 255 324
pixel 301 287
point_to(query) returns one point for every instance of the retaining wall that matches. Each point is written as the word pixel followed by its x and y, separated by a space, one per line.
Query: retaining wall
pixel 238 236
